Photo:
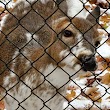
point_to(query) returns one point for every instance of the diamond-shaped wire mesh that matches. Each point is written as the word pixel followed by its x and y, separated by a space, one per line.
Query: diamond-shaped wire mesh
pixel 48 54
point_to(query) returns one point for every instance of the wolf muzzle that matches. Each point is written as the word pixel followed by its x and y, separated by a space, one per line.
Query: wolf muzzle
pixel 88 63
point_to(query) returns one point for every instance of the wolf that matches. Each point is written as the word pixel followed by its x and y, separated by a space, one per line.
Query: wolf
pixel 41 50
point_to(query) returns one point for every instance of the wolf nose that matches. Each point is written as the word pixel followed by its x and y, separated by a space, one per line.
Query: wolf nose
pixel 88 63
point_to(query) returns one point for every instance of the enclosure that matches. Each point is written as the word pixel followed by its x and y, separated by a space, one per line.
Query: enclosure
pixel 87 91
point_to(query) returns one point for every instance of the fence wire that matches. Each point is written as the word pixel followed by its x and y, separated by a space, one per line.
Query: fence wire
pixel 22 83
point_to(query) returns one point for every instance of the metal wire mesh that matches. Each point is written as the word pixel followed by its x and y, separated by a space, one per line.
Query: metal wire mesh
pixel 15 55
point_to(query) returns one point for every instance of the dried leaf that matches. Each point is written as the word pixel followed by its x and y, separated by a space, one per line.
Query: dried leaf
pixel 92 1
pixel 101 3
pixel 70 96
pixel 88 74
pixel 99 59
pixel 108 97
pixel 108 69
pixel 90 81
pixel 71 88
pixel 99 100
pixel 94 94
pixel 14 0
pixel 91 90
pixel 105 79
pixel 2 106
pixel 102 66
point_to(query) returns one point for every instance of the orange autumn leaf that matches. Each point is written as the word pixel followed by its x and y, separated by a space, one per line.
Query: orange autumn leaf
pixel 108 69
pixel 87 74
pixel 102 66
pixel 105 18
pixel 70 96
pixel 108 41
pixel 92 1
pixel 71 88
pixel 1 9
pixel 14 0
pixel 105 79
pixel 91 90
pixel 93 94
pixel 90 81
pixel 99 59
pixel 2 107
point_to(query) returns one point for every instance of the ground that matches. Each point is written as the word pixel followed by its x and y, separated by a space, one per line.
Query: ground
pixel 91 86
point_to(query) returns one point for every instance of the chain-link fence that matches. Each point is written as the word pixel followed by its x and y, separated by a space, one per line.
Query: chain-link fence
pixel 48 53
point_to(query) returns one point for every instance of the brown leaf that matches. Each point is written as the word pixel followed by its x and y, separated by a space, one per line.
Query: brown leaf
pixel 71 88
pixel 90 81
pixel 2 106
pixel 94 94
pixel 92 1
pixel 88 74
pixel 102 66
pixel 70 96
pixel 14 0
pixel 105 79
pixel 91 90
pixel 101 3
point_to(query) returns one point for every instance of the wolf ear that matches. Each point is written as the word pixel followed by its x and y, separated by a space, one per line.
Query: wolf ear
pixel 93 17
pixel 59 1
pixel 62 5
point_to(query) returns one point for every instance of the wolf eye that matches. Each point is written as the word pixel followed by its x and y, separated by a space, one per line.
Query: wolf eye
pixel 67 33
pixel 97 43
